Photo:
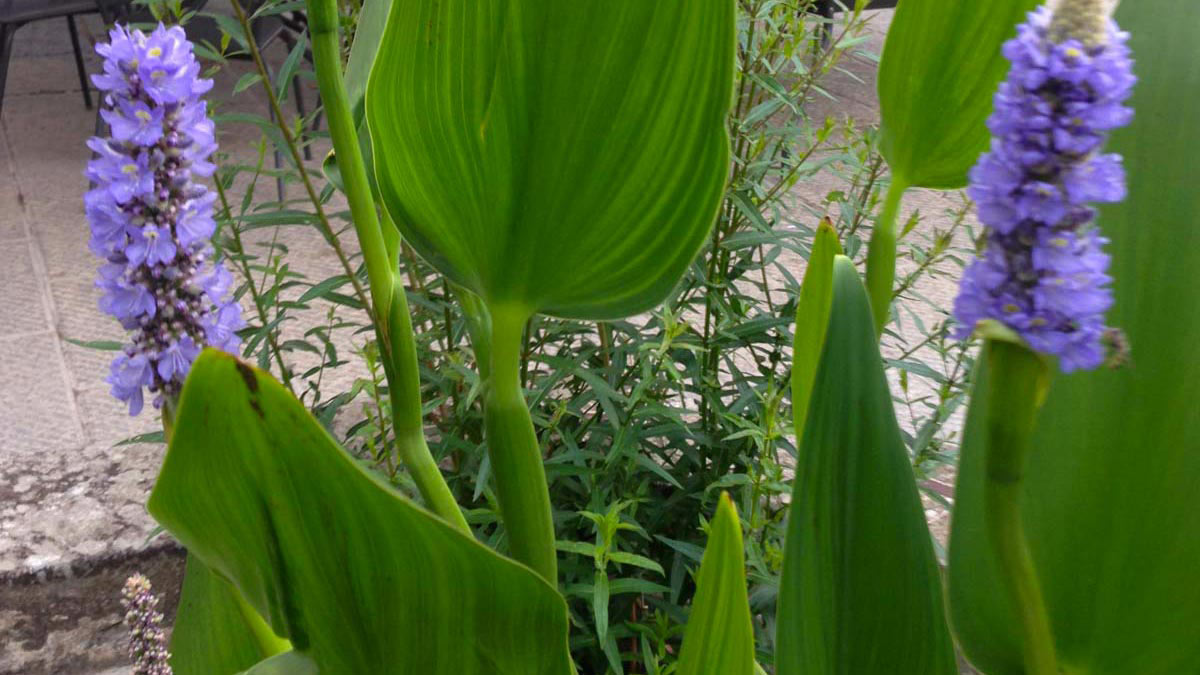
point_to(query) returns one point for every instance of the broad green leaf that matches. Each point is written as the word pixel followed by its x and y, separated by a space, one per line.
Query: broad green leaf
pixel 1111 497
pixel 812 318
pixel 564 157
pixel 719 637
pixel 358 578
pixel 860 592
pixel 940 67
pixel 287 663
pixel 213 633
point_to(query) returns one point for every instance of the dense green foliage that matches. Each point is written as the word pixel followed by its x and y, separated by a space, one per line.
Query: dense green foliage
pixel 545 174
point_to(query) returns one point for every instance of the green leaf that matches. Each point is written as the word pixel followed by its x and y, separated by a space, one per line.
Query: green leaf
pixel 940 67
pixel 719 637
pixel 367 36
pixel 564 157
pixel 215 632
pixel 812 318
pixel 358 578
pixel 99 345
pixel 860 592
pixel 1110 498
pixel 368 33
pixel 287 663
pixel 635 560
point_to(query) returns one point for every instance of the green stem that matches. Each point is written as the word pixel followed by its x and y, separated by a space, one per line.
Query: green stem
pixel 393 322
pixel 1018 381
pixel 881 255
pixel 479 327
pixel 515 452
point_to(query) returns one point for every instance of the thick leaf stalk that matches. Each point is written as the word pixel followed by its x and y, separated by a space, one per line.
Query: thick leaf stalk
pixel 515 452
pixel 881 255
pixel 393 323
pixel 1019 380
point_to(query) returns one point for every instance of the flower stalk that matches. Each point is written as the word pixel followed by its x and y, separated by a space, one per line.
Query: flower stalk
pixel 393 322
pixel 147 639
pixel 1018 381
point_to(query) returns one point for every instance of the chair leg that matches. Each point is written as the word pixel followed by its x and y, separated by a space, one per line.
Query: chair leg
pixel 79 67
pixel 6 40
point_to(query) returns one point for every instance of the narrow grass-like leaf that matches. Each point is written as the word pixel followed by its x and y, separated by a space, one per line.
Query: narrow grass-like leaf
pixel 940 67
pixel 358 578
pixel 860 592
pixel 719 637
pixel 1111 497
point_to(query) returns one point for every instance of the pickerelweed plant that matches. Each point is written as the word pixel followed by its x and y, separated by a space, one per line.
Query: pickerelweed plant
pixel 551 171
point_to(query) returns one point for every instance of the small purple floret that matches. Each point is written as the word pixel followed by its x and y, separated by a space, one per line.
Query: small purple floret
pixel 150 222
pixel 1044 272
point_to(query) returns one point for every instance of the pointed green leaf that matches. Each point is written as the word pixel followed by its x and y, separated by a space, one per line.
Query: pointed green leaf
pixel 1110 497
pixel 940 67
pixel 565 157
pixel 368 33
pixel 213 634
pixel 719 637
pixel 860 593
pixel 367 36
pixel 358 578
pixel 812 318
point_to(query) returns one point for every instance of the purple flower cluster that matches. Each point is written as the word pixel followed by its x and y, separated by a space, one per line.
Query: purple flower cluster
pixel 150 222
pixel 147 641
pixel 1044 272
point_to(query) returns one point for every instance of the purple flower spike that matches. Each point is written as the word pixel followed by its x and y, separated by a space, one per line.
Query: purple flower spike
pixel 150 221
pixel 147 639
pixel 1044 272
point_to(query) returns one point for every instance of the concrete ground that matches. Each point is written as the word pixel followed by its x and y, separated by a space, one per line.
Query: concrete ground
pixel 67 492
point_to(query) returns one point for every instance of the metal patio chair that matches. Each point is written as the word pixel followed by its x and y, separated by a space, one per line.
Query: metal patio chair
pixel 17 13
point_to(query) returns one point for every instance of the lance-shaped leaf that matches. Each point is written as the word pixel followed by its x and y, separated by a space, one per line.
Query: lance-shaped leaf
pixel 357 577
pixel 1111 497
pixel 940 67
pixel 216 632
pixel 812 319
pixel 719 637
pixel 367 36
pixel 563 157
pixel 860 592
